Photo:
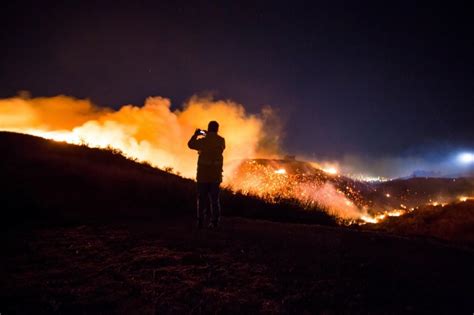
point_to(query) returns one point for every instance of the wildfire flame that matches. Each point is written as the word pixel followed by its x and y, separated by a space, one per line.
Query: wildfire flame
pixel 270 181
pixel 465 198
pixel 280 171
pixel 331 170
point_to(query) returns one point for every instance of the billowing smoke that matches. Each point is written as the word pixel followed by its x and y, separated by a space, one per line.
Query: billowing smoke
pixel 152 133
pixel 332 200
pixel 47 113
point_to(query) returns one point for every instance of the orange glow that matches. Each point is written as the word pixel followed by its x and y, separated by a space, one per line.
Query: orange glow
pixel 465 198
pixel 152 133
pixel 280 171
pixel 270 181
pixel 331 170
pixel 381 216
pixel 327 167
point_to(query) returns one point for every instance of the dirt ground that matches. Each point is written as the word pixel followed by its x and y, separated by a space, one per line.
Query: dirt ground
pixel 246 266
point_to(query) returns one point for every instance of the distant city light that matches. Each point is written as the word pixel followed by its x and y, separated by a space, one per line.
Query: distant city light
pixel 466 157
pixel 367 178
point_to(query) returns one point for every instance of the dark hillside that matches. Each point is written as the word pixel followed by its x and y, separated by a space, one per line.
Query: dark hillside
pixel 454 222
pixel 416 191
pixel 50 181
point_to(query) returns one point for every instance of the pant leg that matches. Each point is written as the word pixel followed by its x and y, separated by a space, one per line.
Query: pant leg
pixel 215 202
pixel 202 201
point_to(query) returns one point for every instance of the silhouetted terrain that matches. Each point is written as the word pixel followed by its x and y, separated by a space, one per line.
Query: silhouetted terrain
pixel 88 231
pixel 454 222
pixel 44 180
pixel 415 191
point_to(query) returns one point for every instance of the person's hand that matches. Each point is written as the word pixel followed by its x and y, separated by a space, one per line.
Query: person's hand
pixel 197 132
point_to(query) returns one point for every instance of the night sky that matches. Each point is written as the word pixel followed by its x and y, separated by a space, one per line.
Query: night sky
pixel 346 78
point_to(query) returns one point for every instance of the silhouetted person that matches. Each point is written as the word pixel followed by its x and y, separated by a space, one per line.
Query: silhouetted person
pixel 209 171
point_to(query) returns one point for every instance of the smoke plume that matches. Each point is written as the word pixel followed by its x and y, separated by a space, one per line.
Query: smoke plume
pixel 153 132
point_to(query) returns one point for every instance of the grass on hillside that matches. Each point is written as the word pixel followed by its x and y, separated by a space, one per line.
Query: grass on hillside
pixel 46 181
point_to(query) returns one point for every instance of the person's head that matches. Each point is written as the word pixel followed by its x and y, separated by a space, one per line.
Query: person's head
pixel 213 126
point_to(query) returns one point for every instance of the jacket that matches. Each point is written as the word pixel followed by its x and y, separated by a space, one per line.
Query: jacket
pixel 210 161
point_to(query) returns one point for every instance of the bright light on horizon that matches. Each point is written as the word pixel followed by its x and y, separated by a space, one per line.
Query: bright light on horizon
pixel 466 157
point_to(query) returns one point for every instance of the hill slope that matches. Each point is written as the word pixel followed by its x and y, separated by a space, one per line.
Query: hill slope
pixel 454 222
pixel 376 196
pixel 47 180
pixel 118 237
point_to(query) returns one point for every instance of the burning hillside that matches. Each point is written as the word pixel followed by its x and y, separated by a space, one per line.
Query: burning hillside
pixel 349 199
pixel 292 179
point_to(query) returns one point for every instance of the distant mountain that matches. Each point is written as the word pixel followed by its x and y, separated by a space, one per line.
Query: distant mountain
pixel 438 174
pixel 469 174
pixel 423 173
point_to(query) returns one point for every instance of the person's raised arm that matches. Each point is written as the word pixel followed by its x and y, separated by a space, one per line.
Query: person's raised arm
pixel 195 143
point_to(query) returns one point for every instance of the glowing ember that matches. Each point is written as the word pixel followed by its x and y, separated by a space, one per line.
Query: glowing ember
pixel 331 170
pixel 395 213
pixel 381 216
pixel 437 203
pixel 280 171
pixel 368 219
